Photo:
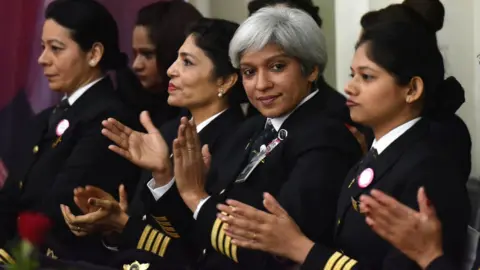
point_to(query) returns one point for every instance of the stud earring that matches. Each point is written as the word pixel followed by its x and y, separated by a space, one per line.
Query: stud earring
pixel 220 94
pixel 92 63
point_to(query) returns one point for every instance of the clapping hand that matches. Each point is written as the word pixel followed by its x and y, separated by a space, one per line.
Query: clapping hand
pixel 418 234
pixel 191 163
pixel 101 212
pixel 147 150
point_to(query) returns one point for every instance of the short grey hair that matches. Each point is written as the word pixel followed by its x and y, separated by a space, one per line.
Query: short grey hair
pixel 292 29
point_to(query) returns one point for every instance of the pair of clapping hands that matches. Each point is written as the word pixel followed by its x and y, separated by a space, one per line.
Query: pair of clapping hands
pixel 101 212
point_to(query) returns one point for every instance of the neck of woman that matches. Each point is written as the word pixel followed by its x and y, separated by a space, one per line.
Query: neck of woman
pixel 384 128
pixel 88 79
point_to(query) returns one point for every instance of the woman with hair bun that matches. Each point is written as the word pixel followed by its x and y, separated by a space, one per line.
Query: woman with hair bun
pixel 65 148
pixel 397 86
pixel 449 132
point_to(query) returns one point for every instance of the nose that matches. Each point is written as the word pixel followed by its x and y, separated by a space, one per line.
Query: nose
pixel 137 64
pixel 263 81
pixel 43 59
pixel 351 88
pixel 172 71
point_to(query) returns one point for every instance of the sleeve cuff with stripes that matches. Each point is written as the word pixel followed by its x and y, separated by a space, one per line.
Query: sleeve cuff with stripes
pixel 211 231
pixel 321 257
pixel 144 237
pixel 221 242
pixel 5 258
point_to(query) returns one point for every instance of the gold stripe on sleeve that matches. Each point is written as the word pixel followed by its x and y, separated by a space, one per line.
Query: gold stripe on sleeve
pixel 6 257
pixel 340 263
pixel 157 242
pixel 350 264
pixel 332 260
pixel 234 253
pixel 221 237
pixel 214 233
pixel 145 233
pixel 164 246
pixel 151 237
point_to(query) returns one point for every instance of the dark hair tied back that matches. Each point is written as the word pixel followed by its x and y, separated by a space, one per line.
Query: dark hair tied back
pixel 432 12
pixel 213 37
pixel 89 22
pixel 446 100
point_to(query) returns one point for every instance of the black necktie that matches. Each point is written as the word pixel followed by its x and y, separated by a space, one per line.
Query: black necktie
pixel 367 160
pixel 57 113
pixel 265 137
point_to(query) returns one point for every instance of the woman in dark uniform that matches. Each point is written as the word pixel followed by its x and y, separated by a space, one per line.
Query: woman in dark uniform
pixel 397 86
pixel 449 131
pixel 203 80
pixel 65 147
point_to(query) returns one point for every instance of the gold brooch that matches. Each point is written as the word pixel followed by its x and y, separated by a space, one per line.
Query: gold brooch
pixel 136 266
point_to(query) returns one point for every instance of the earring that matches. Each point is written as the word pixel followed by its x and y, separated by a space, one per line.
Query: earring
pixel 220 94
pixel 92 63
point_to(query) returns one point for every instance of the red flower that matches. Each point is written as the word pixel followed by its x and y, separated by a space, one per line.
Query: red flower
pixel 33 227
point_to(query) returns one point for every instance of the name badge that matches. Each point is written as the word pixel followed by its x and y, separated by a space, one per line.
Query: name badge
pixel 264 151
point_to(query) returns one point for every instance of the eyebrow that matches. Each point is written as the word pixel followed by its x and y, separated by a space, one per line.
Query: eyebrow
pixel 145 49
pixel 363 68
pixel 184 54
pixel 49 41
pixel 279 55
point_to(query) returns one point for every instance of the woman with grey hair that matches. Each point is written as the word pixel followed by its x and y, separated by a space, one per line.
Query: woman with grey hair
pixel 298 149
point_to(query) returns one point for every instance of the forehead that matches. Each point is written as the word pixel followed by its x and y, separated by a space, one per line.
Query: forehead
pixel 54 31
pixel 190 47
pixel 259 57
pixel 360 58
pixel 140 35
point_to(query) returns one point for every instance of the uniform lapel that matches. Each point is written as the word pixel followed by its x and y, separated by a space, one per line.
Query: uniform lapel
pixel 380 166
pixel 210 133
pixel 232 163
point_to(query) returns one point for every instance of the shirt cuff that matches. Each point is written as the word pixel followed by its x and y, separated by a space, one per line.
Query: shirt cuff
pixel 158 192
pixel 109 247
pixel 199 206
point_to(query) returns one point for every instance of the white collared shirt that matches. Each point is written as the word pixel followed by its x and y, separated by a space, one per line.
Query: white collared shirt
pixel 80 91
pixel 392 135
pixel 158 192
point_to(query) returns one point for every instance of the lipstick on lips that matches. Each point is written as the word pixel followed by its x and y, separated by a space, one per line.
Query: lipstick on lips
pixel 267 100
pixel 171 87
pixel 351 103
